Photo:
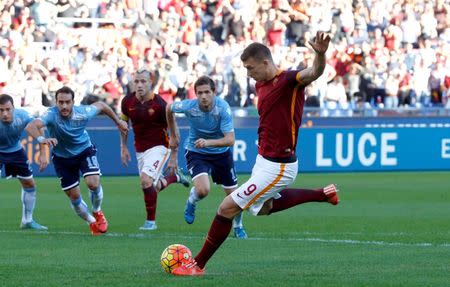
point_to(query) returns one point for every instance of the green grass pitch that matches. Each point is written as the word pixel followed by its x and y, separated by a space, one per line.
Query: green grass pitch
pixel 390 229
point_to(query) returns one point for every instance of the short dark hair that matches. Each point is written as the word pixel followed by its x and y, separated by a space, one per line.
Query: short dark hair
pixel 205 80
pixel 65 90
pixel 4 98
pixel 257 51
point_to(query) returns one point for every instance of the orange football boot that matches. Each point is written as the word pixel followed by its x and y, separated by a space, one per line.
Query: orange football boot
pixel 94 229
pixel 102 223
pixel 190 269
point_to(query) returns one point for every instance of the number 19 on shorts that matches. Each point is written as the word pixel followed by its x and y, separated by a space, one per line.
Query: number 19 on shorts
pixel 92 161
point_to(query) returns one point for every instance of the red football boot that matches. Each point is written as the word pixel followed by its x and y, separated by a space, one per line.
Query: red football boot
pixel 190 269
pixel 331 192
pixel 94 229
pixel 102 223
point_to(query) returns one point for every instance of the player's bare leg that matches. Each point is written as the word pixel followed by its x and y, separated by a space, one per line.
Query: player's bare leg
pixel 28 202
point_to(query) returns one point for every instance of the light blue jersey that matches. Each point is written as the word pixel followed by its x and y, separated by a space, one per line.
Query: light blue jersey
pixel 71 132
pixel 207 125
pixel 10 133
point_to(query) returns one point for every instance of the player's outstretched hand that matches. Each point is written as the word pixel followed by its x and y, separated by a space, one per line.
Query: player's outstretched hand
pixel 320 43
pixel 125 155
pixel 123 126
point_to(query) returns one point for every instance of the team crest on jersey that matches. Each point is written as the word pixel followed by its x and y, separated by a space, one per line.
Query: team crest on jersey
pixel 151 111
pixel 177 105
pixel 77 117
pixel 196 112
pixel 275 81
pixel 17 122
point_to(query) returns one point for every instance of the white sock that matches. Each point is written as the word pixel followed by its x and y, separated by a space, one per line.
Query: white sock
pixel 96 198
pixel 28 202
pixel 193 197
pixel 237 220
pixel 81 209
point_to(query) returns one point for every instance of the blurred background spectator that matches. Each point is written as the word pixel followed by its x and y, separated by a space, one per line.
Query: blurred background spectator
pixel 385 54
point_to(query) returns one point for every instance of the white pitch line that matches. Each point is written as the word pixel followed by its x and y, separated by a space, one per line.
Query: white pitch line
pixel 298 239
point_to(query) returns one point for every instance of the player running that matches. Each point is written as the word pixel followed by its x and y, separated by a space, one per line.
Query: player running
pixel 13 157
pixel 147 113
pixel 73 152
pixel 211 135
pixel 280 105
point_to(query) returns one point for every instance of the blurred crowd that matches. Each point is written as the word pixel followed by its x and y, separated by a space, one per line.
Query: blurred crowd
pixel 384 53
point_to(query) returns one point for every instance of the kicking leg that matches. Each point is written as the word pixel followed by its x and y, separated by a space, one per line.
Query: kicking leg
pixel 218 233
pixel 291 197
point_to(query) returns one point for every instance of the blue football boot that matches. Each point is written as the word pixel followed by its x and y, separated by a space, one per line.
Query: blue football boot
pixel 33 225
pixel 189 212
pixel 239 232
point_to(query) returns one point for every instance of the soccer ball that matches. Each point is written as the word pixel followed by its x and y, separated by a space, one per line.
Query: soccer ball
pixel 174 256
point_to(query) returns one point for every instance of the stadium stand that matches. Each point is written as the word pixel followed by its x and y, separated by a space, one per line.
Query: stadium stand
pixel 386 55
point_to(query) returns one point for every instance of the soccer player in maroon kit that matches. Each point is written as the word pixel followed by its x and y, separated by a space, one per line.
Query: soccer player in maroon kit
pixel 147 112
pixel 280 105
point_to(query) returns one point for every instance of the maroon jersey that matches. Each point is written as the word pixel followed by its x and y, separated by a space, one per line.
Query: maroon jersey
pixel 148 120
pixel 280 108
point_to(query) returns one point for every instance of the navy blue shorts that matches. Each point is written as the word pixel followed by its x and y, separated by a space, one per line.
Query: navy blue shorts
pixel 68 169
pixel 220 166
pixel 16 164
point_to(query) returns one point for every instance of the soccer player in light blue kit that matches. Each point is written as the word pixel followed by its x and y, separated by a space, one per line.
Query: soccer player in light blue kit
pixel 13 157
pixel 211 135
pixel 73 152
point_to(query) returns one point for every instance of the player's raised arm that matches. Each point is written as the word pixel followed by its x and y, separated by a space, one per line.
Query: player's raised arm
pixel 320 46
pixel 122 125
pixel 35 128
